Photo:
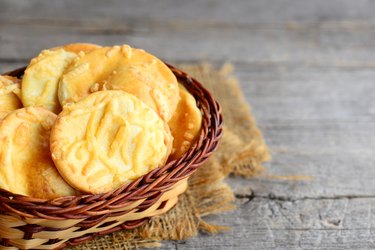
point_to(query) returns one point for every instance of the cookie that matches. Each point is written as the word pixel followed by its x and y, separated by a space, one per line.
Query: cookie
pixel 9 95
pixel 185 124
pixel 106 140
pixel 122 68
pixel 26 166
pixel 41 78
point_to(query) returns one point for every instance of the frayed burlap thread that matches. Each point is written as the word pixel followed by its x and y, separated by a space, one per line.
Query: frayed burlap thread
pixel 241 152
pixel 243 147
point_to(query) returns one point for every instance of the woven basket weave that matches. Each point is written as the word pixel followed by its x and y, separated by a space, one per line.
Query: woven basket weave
pixel 27 222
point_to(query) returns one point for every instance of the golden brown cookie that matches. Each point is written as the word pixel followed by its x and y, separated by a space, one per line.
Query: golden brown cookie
pixel 122 68
pixel 41 78
pixel 9 95
pixel 185 124
pixel 26 166
pixel 106 140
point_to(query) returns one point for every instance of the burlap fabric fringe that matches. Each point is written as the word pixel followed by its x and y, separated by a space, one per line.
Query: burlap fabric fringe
pixel 241 152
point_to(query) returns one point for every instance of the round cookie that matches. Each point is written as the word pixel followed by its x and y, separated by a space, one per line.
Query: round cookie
pixel 41 78
pixel 26 166
pixel 106 140
pixel 185 123
pixel 122 68
pixel 9 95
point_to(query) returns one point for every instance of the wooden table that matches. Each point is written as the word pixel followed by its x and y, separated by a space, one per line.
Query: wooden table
pixel 306 67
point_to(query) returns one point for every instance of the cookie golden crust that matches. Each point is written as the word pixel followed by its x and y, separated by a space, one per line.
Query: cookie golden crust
pixel 78 47
pixel 9 95
pixel 26 166
pixel 185 124
pixel 41 78
pixel 122 68
pixel 106 140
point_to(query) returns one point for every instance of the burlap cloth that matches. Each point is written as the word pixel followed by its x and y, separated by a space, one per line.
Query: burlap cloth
pixel 241 152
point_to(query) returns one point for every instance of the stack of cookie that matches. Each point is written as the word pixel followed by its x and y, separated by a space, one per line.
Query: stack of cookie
pixel 88 119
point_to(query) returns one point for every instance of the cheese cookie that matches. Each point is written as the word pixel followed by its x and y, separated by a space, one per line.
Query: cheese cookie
pixel 26 166
pixel 9 95
pixel 185 124
pixel 106 140
pixel 41 78
pixel 122 68
pixel 40 82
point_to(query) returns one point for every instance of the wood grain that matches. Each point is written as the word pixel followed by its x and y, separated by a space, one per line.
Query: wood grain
pixel 307 69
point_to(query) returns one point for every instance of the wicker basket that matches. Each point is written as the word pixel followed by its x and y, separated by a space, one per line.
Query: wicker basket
pixel 27 222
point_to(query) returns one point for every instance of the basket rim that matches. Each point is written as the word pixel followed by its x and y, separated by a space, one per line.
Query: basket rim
pixel 168 174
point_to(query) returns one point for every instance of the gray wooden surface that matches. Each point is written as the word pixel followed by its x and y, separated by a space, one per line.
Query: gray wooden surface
pixel 306 67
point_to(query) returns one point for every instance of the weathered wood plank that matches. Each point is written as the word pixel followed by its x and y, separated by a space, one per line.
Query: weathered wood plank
pixel 298 94
pixel 323 43
pixel 262 45
pixel 300 224
pixel 234 11
pixel 319 122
